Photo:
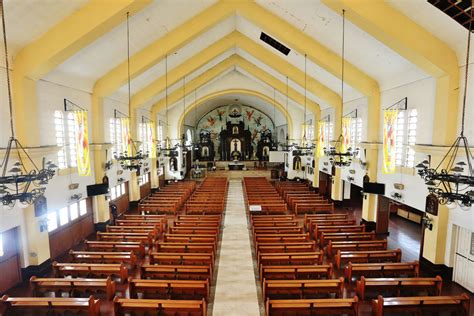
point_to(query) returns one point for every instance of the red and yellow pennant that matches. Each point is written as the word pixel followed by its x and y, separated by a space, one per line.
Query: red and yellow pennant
pixel 389 141
pixel 82 143
pixel 346 134
pixel 321 139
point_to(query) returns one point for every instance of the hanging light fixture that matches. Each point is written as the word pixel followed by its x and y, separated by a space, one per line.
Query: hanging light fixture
pixel 450 182
pixel 337 157
pixel 17 183
pixel 128 160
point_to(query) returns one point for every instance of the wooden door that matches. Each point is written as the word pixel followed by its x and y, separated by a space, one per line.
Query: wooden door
pixel 10 260
pixel 383 215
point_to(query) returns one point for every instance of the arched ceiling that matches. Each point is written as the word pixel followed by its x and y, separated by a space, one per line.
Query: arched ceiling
pixel 314 19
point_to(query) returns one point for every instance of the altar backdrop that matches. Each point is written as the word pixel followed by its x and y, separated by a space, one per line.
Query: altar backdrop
pixel 216 119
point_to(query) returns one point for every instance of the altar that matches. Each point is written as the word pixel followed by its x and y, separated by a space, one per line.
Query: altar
pixel 236 165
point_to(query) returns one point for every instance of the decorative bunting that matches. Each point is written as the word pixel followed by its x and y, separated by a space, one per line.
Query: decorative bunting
pixel 126 137
pixel 346 134
pixel 321 139
pixel 389 141
pixel 82 143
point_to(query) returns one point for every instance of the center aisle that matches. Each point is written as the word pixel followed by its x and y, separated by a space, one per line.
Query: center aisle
pixel 236 291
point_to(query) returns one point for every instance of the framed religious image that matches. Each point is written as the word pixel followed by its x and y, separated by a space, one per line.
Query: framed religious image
pixel 432 204
pixel 41 206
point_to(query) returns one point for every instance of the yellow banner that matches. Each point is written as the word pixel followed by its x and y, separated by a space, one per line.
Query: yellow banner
pixel 321 139
pixel 82 144
pixel 126 137
pixel 346 134
pixel 389 141
pixel 152 142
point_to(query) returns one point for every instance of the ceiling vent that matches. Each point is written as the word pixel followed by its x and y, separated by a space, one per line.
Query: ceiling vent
pixel 459 10
pixel 275 44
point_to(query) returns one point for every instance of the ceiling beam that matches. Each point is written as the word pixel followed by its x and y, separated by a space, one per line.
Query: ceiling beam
pixel 54 47
pixel 236 39
pixel 417 45
pixel 234 61
pixel 319 54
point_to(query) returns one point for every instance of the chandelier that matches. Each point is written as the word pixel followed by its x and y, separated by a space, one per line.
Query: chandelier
pixel 17 183
pixel 337 156
pixel 127 160
pixel 450 182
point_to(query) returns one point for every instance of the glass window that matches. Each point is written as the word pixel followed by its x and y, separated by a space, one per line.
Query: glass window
pixel 63 216
pixel 399 138
pixel 52 221
pixel 71 131
pixel 1 246
pixel 113 139
pixel 60 138
pixel 83 207
pixel 122 186
pixel 411 138
pixel 113 193
pixel 74 211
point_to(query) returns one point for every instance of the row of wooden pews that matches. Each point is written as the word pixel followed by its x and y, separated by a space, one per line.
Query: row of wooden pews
pixel 169 274
pixel 302 199
pixel 169 199
pixel 209 198
pixel 313 266
pixel 259 191
pixel 294 278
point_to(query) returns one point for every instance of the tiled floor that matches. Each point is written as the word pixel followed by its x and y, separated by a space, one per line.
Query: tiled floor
pixel 236 292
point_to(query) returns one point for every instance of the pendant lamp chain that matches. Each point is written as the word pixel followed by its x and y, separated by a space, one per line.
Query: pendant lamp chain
pixel 7 66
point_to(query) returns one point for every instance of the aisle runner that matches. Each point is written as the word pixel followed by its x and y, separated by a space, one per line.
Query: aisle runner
pixel 236 292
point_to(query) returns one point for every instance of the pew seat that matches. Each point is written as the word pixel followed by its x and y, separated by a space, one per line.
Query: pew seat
pixel 125 306
pixel 420 305
pixel 296 272
pixel 392 269
pixel 310 307
pixel 394 255
pixel 399 286
pixel 90 270
pixel 176 272
pixel 290 289
pixel 169 289
pixel 26 306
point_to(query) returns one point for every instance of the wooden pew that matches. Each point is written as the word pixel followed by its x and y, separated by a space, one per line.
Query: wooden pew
pixel 191 238
pixel 40 286
pixel 309 217
pixel 170 289
pixel 154 229
pixel 334 246
pixel 260 224
pixel 135 246
pixel 168 258
pixel 329 222
pixel 186 247
pixel 290 258
pixel 307 307
pixel 103 257
pixel 90 270
pixel 318 230
pixel 280 289
pixel 410 269
pixel 287 238
pixel 289 247
pixel 176 272
pixel 354 236
pixel 296 272
pixel 146 237
pixel 173 238
pixel 126 306
pixel 399 286
pixel 422 304
pixel 277 230
pixel 314 208
pixel 394 255
pixel 194 231
pixel 48 305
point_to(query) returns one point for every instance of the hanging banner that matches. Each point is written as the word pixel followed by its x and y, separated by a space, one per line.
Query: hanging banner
pixel 389 140
pixel 152 139
pixel 321 139
pixel 126 137
pixel 82 143
pixel 346 134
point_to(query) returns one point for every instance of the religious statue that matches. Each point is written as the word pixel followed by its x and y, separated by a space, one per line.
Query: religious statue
pixel 297 163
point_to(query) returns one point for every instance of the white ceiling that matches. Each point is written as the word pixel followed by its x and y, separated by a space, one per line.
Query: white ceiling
pixel 28 19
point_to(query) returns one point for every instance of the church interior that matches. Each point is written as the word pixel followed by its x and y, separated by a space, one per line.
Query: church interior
pixel 237 157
